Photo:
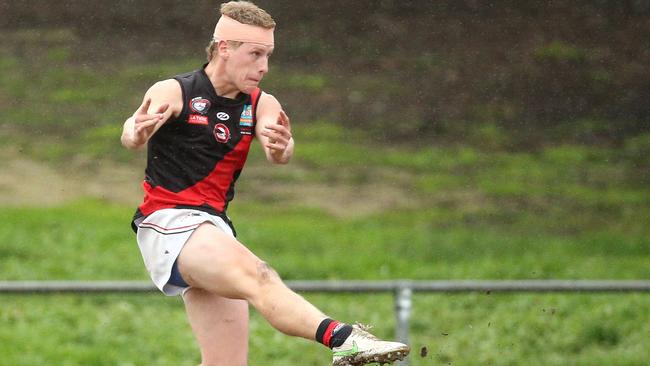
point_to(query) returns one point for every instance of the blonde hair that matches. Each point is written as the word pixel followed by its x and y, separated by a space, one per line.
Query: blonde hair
pixel 244 12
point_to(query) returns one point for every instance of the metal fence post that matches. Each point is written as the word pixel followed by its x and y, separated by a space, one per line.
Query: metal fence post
pixel 403 305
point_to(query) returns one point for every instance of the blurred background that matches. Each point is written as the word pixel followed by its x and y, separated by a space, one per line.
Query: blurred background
pixel 435 140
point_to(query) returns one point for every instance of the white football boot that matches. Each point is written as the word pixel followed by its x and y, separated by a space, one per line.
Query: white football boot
pixel 362 348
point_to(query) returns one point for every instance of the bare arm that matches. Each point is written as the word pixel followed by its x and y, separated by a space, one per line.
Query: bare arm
pixel 162 101
pixel 273 130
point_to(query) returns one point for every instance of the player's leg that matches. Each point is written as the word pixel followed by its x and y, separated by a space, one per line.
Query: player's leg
pixel 215 261
pixel 220 326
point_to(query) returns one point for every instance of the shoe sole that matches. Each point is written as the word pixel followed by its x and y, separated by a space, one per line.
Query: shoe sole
pixel 381 358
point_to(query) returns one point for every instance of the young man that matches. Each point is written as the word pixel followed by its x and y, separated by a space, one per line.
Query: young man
pixel 198 128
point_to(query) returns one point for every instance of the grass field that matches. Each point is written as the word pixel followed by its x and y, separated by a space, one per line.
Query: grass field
pixel 548 218
pixel 342 210
pixel 475 329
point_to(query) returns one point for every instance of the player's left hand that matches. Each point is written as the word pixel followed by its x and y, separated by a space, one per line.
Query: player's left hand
pixel 278 134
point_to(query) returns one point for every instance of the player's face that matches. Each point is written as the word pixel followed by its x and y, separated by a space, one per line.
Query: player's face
pixel 248 64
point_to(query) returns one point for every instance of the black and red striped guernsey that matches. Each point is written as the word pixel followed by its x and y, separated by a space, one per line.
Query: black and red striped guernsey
pixel 194 160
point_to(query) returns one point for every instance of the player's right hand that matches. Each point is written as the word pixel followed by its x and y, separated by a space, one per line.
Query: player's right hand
pixel 145 123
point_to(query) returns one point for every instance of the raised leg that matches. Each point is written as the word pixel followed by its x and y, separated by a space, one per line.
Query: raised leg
pixel 217 263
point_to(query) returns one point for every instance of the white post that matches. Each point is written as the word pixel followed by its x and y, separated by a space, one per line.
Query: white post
pixel 403 306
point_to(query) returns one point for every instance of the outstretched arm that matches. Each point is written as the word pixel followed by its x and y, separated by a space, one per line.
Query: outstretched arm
pixel 161 101
pixel 273 130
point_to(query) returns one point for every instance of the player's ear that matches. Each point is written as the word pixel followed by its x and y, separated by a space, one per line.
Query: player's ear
pixel 224 49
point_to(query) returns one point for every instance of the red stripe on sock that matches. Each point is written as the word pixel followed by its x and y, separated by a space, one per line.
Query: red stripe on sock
pixel 328 333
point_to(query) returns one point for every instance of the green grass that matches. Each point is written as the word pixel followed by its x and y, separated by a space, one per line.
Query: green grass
pixel 90 239
pixel 477 211
pixel 87 239
pixel 473 329
pixel 571 212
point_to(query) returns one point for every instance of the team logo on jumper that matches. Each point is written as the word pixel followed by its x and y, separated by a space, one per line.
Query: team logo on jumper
pixel 246 120
pixel 197 119
pixel 199 105
pixel 223 116
pixel 221 133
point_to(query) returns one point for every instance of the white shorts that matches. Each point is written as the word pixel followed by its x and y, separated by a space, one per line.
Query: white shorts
pixel 162 235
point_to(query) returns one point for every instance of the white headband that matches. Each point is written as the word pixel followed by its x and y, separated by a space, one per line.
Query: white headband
pixel 228 29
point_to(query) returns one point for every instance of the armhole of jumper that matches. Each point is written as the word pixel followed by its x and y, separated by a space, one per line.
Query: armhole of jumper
pixel 255 97
pixel 184 109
